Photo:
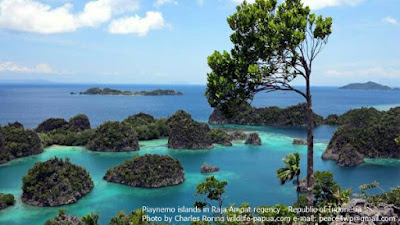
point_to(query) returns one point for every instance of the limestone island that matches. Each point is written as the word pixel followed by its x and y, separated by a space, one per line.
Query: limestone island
pixel 147 171
pixel 110 91
pixel 185 133
pixel 6 200
pixel 368 86
pixel 55 182
pixel 17 142
pixel 114 137
pixel 364 133
pixel 253 139
pixel 205 168
pixel 268 116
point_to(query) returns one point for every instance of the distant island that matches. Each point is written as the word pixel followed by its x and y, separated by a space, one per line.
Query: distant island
pixel 368 86
pixel 110 91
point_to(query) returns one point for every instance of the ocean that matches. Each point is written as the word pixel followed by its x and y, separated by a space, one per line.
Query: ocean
pixel 249 170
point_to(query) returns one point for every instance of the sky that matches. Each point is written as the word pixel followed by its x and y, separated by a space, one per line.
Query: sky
pixel 168 41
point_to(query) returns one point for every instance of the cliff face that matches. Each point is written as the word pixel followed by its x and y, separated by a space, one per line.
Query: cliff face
pixel 55 182
pixel 185 133
pixel 147 171
pixel 269 116
pixel 365 133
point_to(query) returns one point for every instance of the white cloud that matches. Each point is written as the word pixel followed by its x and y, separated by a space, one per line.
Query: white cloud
pixel 159 3
pixel 390 20
pixel 37 17
pixel 319 4
pixel 372 72
pixel 137 25
pixel 12 67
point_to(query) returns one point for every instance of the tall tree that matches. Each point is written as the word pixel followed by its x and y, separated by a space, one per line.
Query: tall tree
pixel 212 190
pixel 291 170
pixel 273 45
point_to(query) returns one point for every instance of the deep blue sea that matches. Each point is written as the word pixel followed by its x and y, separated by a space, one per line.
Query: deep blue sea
pixel 249 170
pixel 31 104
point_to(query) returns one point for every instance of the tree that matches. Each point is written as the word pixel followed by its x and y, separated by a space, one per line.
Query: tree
pixel 273 45
pixel 91 218
pixel 291 169
pixel 212 190
pixel 328 192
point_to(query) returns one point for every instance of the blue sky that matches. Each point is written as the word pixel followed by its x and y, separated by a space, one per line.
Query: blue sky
pixel 168 41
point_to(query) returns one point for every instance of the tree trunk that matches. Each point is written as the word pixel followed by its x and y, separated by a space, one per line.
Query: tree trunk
pixel 310 147
pixel 298 187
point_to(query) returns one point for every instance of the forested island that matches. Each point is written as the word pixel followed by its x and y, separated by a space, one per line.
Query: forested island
pixel 147 171
pixel 6 200
pixel 55 182
pixel 268 116
pixel 368 86
pixel 362 133
pixel 110 91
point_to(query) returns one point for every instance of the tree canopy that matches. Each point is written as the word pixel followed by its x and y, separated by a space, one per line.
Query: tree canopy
pixel 273 44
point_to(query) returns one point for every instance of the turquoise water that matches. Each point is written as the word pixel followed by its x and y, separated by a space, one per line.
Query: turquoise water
pixel 249 170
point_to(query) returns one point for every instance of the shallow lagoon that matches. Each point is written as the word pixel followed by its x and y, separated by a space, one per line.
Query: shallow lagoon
pixel 249 170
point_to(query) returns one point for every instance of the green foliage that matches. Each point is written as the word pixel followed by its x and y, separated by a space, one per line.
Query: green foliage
pixel 16 142
pixel 64 219
pixel 212 190
pixel 185 133
pixel 148 171
pixel 147 127
pixel 79 123
pixel 51 182
pixel 270 116
pixel 91 218
pixel 327 191
pixel 291 169
pixel 368 132
pixel 51 124
pixel 6 199
pixel 76 132
pixel 271 45
pixel 114 137
pixel 133 218
pixel 219 136
pixel 391 197
pixel 66 137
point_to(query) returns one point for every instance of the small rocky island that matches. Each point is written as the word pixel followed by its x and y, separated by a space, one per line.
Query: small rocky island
pixel 147 171
pixel 364 133
pixel 253 139
pixel 205 168
pixel 110 91
pixel 368 86
pixel 6 200
pixel 55 182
